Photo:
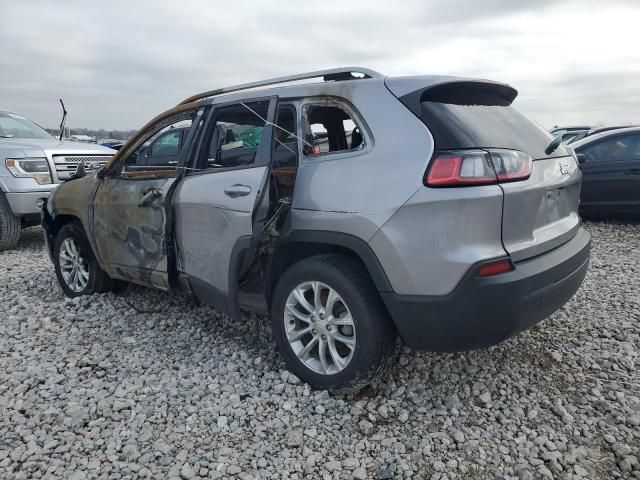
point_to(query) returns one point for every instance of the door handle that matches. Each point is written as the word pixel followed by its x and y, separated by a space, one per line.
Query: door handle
pixel 238 190
pixel 148 195
pixel 635 171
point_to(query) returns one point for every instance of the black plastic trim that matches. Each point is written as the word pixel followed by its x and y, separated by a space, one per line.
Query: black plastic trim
pixel 481 312
pixel 455 91
pixel 242 245
pixel 207 293
pixel 350 242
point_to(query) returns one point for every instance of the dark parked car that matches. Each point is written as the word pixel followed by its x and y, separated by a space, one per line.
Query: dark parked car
pixel 112 143
pixel 577 136
pixel 555 131
pixel 611 172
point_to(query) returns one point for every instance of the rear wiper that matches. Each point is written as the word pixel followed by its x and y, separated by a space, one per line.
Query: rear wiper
pixel 553 145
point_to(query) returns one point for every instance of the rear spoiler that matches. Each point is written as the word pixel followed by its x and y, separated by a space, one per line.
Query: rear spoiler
pixel 412 91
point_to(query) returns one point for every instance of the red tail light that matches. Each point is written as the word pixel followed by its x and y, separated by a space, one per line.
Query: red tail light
pixel 477 167
pixel 511 165
pixel 494 268
pixel 450 169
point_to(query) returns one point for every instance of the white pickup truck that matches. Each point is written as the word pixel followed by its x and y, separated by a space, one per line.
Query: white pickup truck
pixel 32 163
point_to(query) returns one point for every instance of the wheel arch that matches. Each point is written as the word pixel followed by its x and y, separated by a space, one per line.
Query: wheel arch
pixel 301 244
pixel 52 225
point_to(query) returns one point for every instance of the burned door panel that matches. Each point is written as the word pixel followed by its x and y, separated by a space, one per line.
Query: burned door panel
pixel 130 229
pixel 131 219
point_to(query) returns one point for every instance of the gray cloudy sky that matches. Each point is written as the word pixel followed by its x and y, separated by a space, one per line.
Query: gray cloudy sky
pixel 118 63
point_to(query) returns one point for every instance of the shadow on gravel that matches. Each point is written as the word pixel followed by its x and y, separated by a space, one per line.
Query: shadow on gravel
pixel 30 238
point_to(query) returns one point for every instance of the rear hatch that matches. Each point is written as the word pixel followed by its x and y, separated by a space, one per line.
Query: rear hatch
pixel 539 212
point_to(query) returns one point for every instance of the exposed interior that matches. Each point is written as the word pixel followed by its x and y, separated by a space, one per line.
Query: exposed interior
pixel 158 153
pixel 331 129
pixel 234 138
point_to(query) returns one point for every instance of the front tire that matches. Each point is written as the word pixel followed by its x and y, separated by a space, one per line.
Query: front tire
pixel 10 225
pixel 77 269
pixel 330 324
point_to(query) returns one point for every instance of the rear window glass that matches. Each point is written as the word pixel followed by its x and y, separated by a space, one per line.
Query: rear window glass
pixel 485 126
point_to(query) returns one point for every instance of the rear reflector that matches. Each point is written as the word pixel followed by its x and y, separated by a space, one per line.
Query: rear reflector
pixel 494 268
pixel 477 167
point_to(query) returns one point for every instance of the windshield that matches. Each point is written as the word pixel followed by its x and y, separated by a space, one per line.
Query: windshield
pixel 17 126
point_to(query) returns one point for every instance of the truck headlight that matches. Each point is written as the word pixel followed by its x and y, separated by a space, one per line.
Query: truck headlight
pixel 37 168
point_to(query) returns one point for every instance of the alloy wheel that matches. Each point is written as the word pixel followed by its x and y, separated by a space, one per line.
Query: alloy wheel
pixel 73 266
pixel 319 327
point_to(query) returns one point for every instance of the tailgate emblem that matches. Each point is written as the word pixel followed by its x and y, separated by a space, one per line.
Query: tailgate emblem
pixel 564 169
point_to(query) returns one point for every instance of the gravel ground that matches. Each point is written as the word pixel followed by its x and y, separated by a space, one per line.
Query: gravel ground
pixel 89 388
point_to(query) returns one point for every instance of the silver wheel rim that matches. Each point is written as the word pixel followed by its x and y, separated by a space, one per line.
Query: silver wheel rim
pixel 73 266
pixel 319 328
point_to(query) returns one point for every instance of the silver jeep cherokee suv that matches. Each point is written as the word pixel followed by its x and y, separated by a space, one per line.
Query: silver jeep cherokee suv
pixel 354 209
pixel 32 162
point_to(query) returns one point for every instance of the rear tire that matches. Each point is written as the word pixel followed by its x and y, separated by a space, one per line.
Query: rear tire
pixel 76 267
pixel 345 312
pixel 10 225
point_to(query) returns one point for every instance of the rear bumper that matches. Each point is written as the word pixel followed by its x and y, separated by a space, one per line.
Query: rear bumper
pixel 481 312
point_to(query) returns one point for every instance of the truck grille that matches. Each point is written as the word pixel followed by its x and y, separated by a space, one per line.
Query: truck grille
pixel 66 165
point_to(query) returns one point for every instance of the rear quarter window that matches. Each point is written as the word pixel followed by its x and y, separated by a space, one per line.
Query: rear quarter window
pixel 331 129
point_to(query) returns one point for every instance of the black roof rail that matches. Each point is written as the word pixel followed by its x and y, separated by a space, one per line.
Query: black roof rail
pixel 333 74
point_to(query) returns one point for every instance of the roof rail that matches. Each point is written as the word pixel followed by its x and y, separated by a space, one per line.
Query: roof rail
pixel 344 73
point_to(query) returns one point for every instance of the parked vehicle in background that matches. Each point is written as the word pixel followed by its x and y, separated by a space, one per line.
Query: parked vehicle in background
pixel 430 209
pixel 82 138
pixel 32 162
pixel 594 131
pixel 567 137
pixel 555 131
pixel 112 143
pixel 611 172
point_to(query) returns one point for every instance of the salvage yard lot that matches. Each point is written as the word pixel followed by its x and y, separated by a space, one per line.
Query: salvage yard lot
pixel 158 386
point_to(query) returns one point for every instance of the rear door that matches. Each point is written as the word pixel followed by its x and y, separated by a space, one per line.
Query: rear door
pixel 223 200
pixel 130 214
pixel 611 175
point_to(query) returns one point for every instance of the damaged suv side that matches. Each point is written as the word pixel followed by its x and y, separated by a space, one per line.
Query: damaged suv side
pixel 351 209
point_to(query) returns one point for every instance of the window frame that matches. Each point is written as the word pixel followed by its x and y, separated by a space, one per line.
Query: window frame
pixel 611 138
pixel 297 111
pixel 368 141
pixel 115 167
pixel 204 140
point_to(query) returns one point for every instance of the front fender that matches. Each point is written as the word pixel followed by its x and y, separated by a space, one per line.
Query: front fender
pixel 71 200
